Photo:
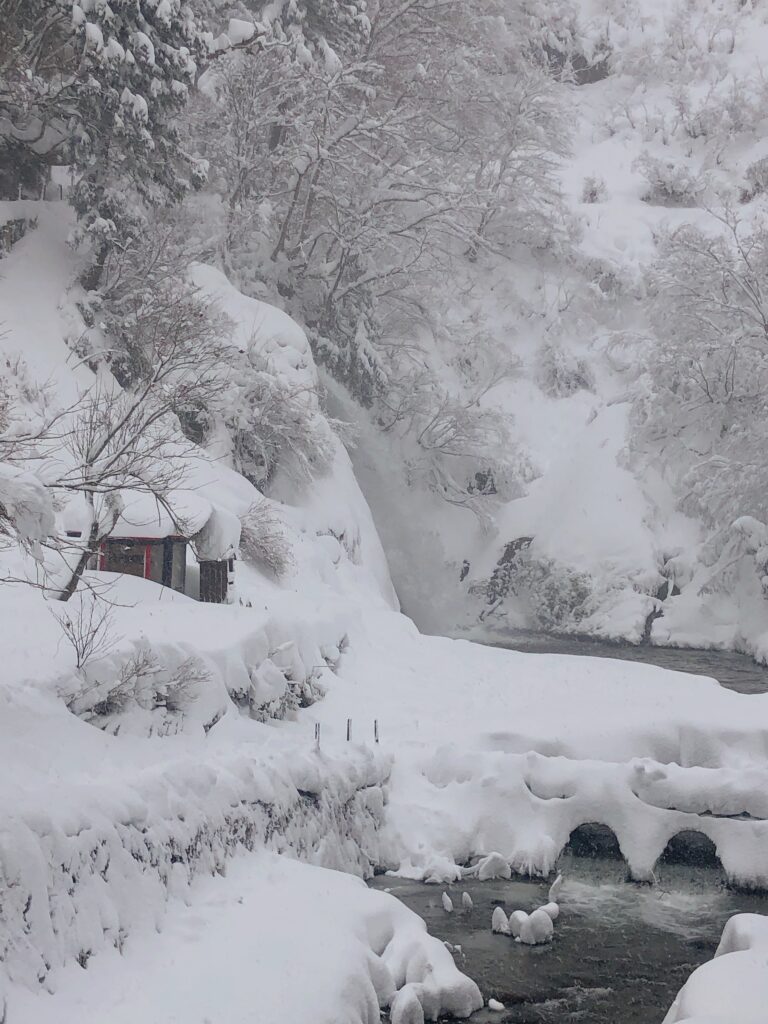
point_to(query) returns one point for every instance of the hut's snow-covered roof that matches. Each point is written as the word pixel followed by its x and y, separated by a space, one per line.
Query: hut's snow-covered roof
pixel 220 536
pixel 214 531
pixel 183 514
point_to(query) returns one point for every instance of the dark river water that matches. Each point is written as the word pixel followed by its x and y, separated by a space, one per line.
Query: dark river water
pixel 734 671
pixel 620 951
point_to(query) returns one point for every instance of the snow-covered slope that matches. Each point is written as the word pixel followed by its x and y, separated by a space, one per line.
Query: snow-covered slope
pixel 193 738
pixel 668 132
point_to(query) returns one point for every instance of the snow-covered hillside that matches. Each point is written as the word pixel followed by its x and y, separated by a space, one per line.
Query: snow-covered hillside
pixel 666 133
pixel 163 758
pixel 350 321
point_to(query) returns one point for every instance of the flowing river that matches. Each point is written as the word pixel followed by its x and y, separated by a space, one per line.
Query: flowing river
pixel 734 671
pixel 621 950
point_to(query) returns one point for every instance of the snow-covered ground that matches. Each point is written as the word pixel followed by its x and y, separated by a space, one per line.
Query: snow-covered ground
pixel 499 751
pixel 732 988
pixel 126 795
pixel 272 941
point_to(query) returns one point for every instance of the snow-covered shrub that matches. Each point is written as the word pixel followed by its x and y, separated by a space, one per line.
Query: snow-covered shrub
pixel 26 509
pixel 275 696
pixel 605 278
pixel 594 190
pixel 24 401
pixel 743 543
pixel 669 183
pixel 555 35
pixel 137 844
pixel 558 597
pixel 263 539
pixel 143 680
pixel 555 596
pixel 560 373
pixel 281 684
pixel 87 625
pixel 272 422
pixel 756 177
pixel 731 106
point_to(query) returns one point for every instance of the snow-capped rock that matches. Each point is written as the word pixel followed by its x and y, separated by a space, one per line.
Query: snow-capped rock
pixel 499 922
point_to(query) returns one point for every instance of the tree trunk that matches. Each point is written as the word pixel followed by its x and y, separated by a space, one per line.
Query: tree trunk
pixel 95 537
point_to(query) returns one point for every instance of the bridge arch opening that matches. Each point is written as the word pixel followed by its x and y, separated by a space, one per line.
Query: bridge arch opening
pixel 693 848
pixel 595 840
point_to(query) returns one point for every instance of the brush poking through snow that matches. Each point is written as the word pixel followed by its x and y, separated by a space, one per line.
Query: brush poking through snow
pixel 466 901
pixel 447 903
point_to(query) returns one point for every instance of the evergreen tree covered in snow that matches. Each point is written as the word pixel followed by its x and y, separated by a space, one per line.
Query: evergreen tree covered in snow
pixel 141 61
pixel 96 85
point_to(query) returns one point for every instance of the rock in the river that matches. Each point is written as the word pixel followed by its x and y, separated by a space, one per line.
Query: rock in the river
pixel 516 921
pixel 537 928
pixel 493 866
pixel 499 922
pixel 494 1004
pixel 553 909
pixel 406 1007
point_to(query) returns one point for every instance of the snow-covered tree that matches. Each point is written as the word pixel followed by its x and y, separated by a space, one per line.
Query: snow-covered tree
pixel 352 174
pixel 706 406
pixel 97 85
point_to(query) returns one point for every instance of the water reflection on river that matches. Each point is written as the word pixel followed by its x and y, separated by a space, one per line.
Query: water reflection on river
pixel 621 951
pixel 734 671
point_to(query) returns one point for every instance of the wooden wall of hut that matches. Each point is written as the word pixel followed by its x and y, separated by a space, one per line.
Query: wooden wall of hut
pixel 213 582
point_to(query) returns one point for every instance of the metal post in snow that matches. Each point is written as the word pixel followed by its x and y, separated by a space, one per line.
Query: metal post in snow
pixel 349 729
pixel 376 730
pixel 317 734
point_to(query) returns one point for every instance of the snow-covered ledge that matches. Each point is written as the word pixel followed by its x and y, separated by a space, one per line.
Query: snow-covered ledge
pixel 275 941
pixel 83 868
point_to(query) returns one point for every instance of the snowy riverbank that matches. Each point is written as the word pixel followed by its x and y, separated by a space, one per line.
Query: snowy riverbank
pixel 501 751
pixel 274 941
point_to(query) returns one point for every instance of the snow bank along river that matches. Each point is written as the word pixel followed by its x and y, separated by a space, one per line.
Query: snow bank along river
pixel 620 952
